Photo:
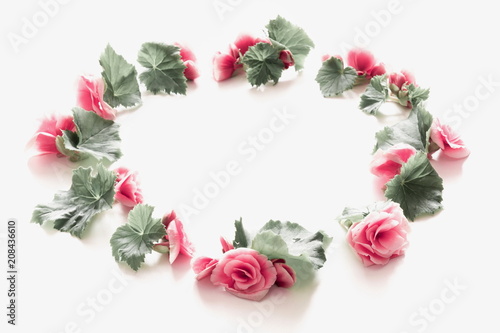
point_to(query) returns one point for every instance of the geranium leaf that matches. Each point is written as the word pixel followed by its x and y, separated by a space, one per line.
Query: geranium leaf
pixel 334 79
pixel 131 242
pixel 262 64
pixel 72 210
pixel 375 95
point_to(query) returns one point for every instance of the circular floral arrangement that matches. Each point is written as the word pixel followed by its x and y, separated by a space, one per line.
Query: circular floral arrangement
pixel 280 253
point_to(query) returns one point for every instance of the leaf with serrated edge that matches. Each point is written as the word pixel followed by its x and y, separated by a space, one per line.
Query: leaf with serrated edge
pixel 241 237
pixel 414 131
pixel 262 64
pixel 165 69
pixel 334 79
pixel 375 95
pixel 418 188
pixel 122 87
pixel 132 241
pixel 95 136
pixel 301 241
pixel 292 37
pixel 417 94
pixel 72 210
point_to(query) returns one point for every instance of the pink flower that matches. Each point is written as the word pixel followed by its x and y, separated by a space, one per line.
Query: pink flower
pixel 226 246
pixel 90 96
pixel 51 127
pixel 127 190
pixel 176 241
pixel 364 62
pixel 224 66
pixel 187 56
pixel 400 79
pixel 327 56
pixel 203 267
pixel 245 273
pixel 287 58
pixel 243 43
pixel 285 275
pixel 448 140
pixel 386 164
pixel 380 236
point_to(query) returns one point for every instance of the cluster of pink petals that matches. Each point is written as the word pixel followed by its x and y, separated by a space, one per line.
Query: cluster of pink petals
pixel 187 56
pixel 447 140
pixel 386 164
pixel 401 79
pixel 176 241
pixel 364 63
pixel 225 64
pixel 90 96
pixel 244 272
pixel 380 236
pixel 50 128
pixel 127 190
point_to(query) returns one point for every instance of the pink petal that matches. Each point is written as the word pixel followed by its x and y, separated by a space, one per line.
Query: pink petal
pixel 191 71
pixel 223 66
pixel 361 60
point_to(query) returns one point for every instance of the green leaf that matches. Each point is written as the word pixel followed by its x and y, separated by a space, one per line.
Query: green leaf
pixel 334 79
pixel 72 210
pixel 122 87
pixel 165 68
pixel 262 64
pixel 301 241
pixel 241 237
pixel 274 247
pixel 132 241
pixel 292 37
pixel 94 136
pixel 418 188
pixel 417 94
pixel 414 131
pixel 375 95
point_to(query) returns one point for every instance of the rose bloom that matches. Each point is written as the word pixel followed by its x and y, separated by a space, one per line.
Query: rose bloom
pixel 176 241
pixel 380 236
pixel 386 164
pixel 51 127
pixel 448 140
pixel 203 267
pixel 127 190
pixel 364 63
pixel 90 96
pixel 244 273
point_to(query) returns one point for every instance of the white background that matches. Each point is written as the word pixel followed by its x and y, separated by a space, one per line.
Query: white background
pixel 308 173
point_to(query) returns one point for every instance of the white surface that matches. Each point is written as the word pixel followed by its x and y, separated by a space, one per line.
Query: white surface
pixel 312 169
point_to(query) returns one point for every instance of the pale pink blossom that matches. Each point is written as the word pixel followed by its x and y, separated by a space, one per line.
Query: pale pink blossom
pixel 402 78
pixel 176 241
pixel 245 273
pixel 50 128
pixel 189 59
pixel 386 164
pixel 90 96
pixel 380 236
pixel 364 63
pixel 448 140
pixel 127 190
pixel 224 66
pixel 203 267
pixel 285 275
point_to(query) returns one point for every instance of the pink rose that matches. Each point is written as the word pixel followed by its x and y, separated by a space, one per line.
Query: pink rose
pixel 90 96
pixel 176 241
pixel 51 127
pixel 203 267
pixel 245 273
pixel 287 58
pixel 187 56
pixel 364 62
pixel 285 275
pixel 380 236
pixel 448 140
pixel 399 79
pixel 386 164
pixel 127 190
